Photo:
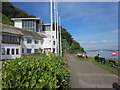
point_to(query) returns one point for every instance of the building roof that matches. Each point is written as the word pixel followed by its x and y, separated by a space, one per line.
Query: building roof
pixel 42 35
pixel 26 19
pixel 31 34
pixel 23 32
pixel 10 29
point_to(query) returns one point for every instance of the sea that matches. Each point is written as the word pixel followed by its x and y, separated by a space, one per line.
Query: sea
pixel 103 54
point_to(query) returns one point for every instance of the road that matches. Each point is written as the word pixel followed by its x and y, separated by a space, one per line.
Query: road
pixel 87 75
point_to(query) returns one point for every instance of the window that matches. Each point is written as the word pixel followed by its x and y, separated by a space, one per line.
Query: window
pixel 29 41
pixel 53 50
pixel 3 51
pixel 36 50
pixel 12 51
pixel 37 25
pixel 22 50
pixel 36 41
pixel 30 25
pixel 53 42
pixel 18 39
pixel 13 39
pixel 22 40
pixel 17 51
pixel 41 42
pixel 8 51
pixel 43 28
pixel 28 51
pixel 47 28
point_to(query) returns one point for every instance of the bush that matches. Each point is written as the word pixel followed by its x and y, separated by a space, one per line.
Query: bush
pixel 36 71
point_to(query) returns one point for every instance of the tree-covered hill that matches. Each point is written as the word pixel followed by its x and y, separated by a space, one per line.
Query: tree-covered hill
pixel 69 44
pixel 9 11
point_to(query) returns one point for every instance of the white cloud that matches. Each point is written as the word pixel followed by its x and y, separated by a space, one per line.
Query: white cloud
pixel 105 41
pixel 93 42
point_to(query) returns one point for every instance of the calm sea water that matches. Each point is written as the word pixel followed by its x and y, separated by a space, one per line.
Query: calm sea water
pixel 106 54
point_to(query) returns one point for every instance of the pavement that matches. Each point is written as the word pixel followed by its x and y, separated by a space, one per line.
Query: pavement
pixel 87 75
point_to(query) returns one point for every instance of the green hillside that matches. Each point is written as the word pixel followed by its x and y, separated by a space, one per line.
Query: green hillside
pixel 69 44
pixel 9 11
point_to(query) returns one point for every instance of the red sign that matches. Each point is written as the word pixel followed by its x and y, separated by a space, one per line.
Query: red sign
pixel 114 53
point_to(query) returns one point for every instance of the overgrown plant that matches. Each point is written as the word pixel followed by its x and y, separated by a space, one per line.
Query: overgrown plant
pixel 36 71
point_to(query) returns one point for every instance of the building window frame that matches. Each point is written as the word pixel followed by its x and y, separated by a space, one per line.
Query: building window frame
pixel 53 42
pixel 29 41
pixel 3 51
pixel 36 50
pixel 10 39
pixel 17 51
pixel 23 50
pixel 8 51
pixel 12 51
pixel 29 51
pixel 36 41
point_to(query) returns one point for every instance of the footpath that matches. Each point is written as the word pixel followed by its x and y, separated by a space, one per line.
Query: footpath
pixel 87 75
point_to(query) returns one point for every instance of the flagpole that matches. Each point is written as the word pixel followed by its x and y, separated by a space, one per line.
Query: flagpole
pixel 55 26
pixel 51 17
pixel 57 29
pixel 60 37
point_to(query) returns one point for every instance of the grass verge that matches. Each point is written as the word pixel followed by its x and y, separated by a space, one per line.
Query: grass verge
pixel 106 66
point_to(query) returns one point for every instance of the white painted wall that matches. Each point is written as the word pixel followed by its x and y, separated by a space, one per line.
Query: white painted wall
pixel 18 23
pixel 31 45
pixel 48 42
pixel 11 46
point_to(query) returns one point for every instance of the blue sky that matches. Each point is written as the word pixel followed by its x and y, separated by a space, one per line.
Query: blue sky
pixel 93 24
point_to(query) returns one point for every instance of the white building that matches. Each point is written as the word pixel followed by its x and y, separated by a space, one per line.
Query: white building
pixel 31 41
pixel 16 41
pixel 11 42
pixel 50 44
pixel 33 24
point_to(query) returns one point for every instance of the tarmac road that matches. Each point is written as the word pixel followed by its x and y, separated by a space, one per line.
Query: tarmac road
pixel 87 75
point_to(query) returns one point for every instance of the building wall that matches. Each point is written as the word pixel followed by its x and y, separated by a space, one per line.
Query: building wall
pixel 11 46
pixel 18 23
pixel 49 42
pixel 31 45
pixel 46 43
pixel 32 25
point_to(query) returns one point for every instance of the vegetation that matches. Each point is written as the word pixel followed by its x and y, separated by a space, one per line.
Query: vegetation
pixel 5 20
pixel 36 71
pixel 9 11
pixel 69 44
pixel 106 66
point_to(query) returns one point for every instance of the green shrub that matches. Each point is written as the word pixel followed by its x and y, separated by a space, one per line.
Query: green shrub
pixel 36 71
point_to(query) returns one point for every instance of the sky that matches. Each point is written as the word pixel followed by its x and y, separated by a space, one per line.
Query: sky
pixel 93 24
